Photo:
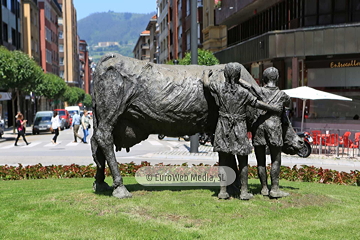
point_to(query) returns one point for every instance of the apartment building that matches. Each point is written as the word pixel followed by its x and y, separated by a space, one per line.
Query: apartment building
pixel 69 44
pixel 49 12
pixel 31 29
pixel 153 39
pixel 85 70
pixel 11 24
pixel 312 42
pixel 142 47
pixel 174 20
pixel 214 36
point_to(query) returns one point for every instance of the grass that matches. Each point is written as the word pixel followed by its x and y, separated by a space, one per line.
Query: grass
pixel 69 209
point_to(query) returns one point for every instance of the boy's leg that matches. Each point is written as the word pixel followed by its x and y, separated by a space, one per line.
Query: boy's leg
pixel 260 153
pixel 275 192
pixel 243 167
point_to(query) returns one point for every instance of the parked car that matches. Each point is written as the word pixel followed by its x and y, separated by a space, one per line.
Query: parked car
pixel 65 118
pixel 42 122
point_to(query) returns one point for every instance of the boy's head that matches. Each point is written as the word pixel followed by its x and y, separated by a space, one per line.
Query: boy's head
pixel 232 72
pixel 270 74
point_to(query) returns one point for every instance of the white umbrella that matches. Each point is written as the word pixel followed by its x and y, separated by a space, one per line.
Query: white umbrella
pixel 306 93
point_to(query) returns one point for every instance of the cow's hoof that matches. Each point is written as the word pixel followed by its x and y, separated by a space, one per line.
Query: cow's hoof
pixel 121 192
pixel 265 192
pixel 223 195
pixel 246 196
pixel 278 194
pixel 101 187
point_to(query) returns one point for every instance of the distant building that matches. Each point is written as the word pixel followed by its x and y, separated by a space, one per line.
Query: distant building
pixel 175 26
pixel 31 29
pixel 107 44
pixel 50 11
pixel 11 25
pixel 153 43
pixel 214 36
pixel 68 44
pixel 142 47
pixel 85 70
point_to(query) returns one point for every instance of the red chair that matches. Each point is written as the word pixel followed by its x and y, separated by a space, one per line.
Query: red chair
pixel 345 141
pixel 355 144
pixel 316 137
pixel 332 141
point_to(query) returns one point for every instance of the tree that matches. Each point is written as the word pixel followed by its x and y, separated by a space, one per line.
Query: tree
pixel 52 87
pixel 205 57
pixel 74 95
pixel 87 101
pixel 18 73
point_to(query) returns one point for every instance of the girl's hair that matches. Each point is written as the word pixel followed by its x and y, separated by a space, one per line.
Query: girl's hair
pixel 55 113
pixel 19 116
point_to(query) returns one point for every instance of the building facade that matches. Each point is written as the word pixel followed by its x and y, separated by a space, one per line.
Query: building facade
pixel 30 29
pixel 11 25
pixel 214 36
pixel 49 12
pixel 69 44
pixel 85 70
pixel 142 47
pixel 312 42
pixel 174 28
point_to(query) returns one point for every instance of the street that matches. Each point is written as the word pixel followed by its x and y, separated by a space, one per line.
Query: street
pixel 41 150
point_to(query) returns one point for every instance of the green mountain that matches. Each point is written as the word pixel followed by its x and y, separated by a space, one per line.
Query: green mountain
pixel 123 28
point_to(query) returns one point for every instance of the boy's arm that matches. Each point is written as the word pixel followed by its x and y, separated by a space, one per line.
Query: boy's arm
pixel 253 89
pixel 268 107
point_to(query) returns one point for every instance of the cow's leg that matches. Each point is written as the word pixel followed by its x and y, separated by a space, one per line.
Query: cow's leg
pixel 99 185
pixel 105 140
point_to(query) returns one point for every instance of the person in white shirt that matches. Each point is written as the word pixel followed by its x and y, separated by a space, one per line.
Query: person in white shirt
pixel 85 123
pixel 55 125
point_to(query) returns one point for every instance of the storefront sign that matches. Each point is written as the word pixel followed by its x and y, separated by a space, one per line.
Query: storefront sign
pixel 352 63
pixel 332 63
pixel 4 96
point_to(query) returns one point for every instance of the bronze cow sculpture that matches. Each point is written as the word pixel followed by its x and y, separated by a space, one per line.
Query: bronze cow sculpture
pixel 133 99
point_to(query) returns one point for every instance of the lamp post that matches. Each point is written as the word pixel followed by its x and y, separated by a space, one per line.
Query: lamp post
pixel 194 139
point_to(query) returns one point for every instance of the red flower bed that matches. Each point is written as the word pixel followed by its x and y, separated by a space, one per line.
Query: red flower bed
pixel 303 173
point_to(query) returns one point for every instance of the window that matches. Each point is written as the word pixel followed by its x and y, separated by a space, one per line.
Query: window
pixel 61 35
pixel 48 34
pixel 48 56
pixel 187 7
pixel 61 63
pixel 13 6
pixel 61 48
pixel 60 21
pixel 13 36
pixel 61 74
pixel 5 32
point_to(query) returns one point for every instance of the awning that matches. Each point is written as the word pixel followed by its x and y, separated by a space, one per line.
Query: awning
pixel 4 96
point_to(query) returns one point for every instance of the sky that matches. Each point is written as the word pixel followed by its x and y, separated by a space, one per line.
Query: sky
pixel 86 7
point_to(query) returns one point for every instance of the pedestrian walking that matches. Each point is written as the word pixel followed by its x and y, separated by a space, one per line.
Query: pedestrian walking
pixel 85 123
pixel 55 125
pixel 20 126
pixel 76 121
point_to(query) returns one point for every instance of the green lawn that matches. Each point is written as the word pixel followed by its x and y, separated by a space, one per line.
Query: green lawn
pixel 69 209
